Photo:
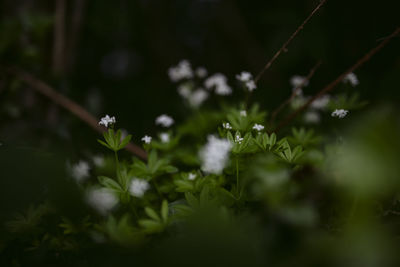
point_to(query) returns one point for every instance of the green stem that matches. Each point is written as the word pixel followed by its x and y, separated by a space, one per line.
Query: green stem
pixel 237 176
pixel 116 161
pixel 156 187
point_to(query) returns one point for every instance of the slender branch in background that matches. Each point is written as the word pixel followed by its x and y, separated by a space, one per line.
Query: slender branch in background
pixel 332 85
pixel 294 93
pixel 77 19
pixel 283 48
pixel 69 105
pixel 59 37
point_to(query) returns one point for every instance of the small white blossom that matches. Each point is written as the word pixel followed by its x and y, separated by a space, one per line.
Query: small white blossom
pixel 164 120
pixel 201 72
pixel 312 117
pixel 244 76
pixel 215 154
pixel 297 91
pixel 184 90
pixel 165 138
pixel 298 81
pixel 107 120
pixel 98 160
pixel 251 86
pixel 243 113
pixel 340 113
pixel 138 187
pixel 146 139
pixel 192 176
pixel 321 102
pixel 258 127
pixel 219 82
pixel 227 125
pixel 101 199
pixel 238 139
pixel 352 79
pixel 182 71
pixel 80 171
pixel 197 98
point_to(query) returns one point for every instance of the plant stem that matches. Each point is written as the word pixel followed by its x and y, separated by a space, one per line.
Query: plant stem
pixel 237 177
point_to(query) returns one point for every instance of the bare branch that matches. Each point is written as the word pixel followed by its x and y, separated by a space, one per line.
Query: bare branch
pixel 333 84
pixel 77 19
pixel 69 105
pixel 284 47
pixel 287 101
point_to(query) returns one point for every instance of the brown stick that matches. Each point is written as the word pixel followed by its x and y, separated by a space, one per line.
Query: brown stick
pixel 283 48
pixel 332 85
pixel 287 101
pixel 69 105
pixel 59 37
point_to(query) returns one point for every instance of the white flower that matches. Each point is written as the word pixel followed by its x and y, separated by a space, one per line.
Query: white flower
pixel 312 117
pixel 215 154
pixel 197 98
pixel 164 120
pixel 297 91
pixel 219 82
pixel 243 113
pixel 201 72
pixel 244 76
pixel 107 120
pixel 352 79
pixel 98 160
pixel 165 138
pixel 238 139
pixel 192 176
pixel 101 199
pixel 138 187
pixel 182 71
pixel 340 113
pixel 80 171
pixel 146 139
pixel 258 127
pixel 321 102
pixel 227 125
pixel 184 90
pixel 298 81
pixel 251 85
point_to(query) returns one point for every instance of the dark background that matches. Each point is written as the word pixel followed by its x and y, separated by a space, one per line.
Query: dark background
pixel 124 48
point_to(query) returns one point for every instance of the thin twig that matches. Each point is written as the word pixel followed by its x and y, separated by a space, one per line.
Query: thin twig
pixel 294 93
pixel 59 37
pixel 333 84
pixel 69 105
pixel 284 47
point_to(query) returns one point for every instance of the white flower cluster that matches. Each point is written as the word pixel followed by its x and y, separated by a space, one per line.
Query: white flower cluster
pixel 321 102
pixel 201 72
pixel 195 98
pixel 192 176
pixel 107 120
pixel 146 139
pixel 246 78
pixel 243 113
pixel 352 79
pixel 165 138
pixel 297 82
pixel 258 127
pixel 215 154
pixel 181 71
pixel 238 139
pixel 80 171
pixel 312 117
pixel 227 125
pixel 340 113
pixel 101 199
pixel 164 120
pixel 138 187
pixel 98 160
pixel 218 82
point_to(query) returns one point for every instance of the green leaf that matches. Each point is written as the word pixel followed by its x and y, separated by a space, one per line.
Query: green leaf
pixel 152 214
pixel 164 210
pixel 191 199
pixel 104 144
pixel 124 142
pixel 151 226
pixel 109 183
